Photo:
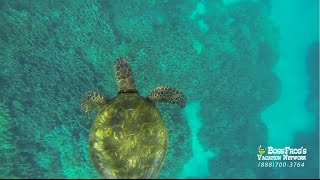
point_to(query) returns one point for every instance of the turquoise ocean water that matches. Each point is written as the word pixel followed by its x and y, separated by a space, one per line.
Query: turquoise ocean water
pixel 249 70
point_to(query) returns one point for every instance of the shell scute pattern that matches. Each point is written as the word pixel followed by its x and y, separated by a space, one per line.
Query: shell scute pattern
pixel 125 146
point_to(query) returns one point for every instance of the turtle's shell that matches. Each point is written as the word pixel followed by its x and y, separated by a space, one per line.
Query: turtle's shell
pixel 128 138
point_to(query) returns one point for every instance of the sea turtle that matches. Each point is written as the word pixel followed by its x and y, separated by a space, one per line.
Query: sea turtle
pixel 128 138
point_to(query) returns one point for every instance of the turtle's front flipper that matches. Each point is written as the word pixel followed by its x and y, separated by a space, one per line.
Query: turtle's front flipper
pixel 167 94
pixel 91 100
pixel 124 76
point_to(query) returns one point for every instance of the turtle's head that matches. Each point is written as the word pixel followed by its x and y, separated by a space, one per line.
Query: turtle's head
pixel 124 76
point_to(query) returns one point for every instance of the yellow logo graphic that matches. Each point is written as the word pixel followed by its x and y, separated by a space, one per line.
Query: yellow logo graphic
pixel 261 150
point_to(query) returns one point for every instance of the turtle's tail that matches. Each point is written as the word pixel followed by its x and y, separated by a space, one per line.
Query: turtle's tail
pixel 91 100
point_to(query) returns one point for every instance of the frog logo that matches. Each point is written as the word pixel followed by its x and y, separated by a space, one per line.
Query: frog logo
pixel 261 150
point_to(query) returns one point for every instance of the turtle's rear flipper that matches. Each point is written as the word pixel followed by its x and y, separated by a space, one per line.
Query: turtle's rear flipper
pixel 91 100
pixel 167 94
pixel 124 76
